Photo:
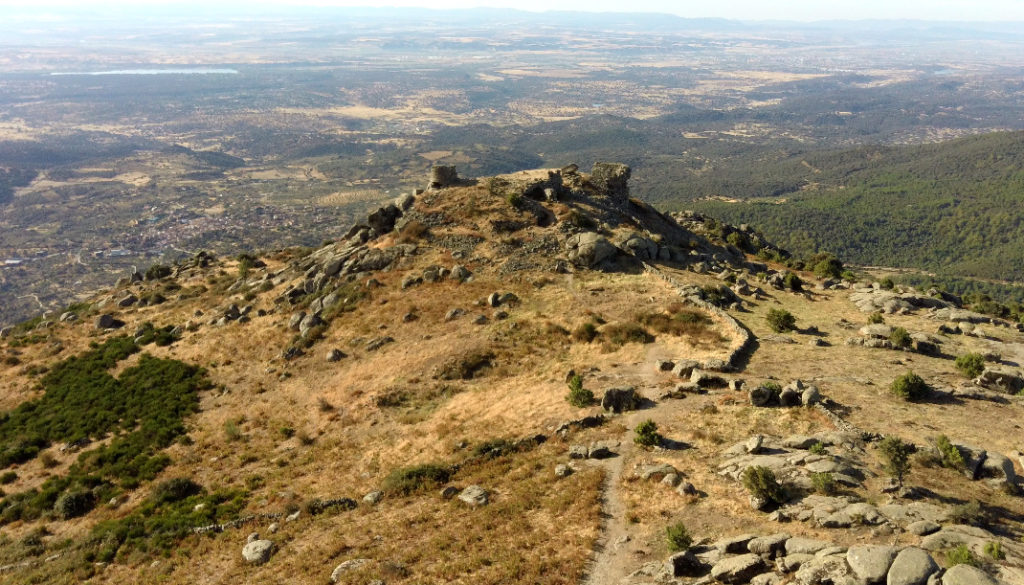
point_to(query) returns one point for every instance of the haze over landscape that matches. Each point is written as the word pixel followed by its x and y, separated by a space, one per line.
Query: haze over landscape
pixel 492 292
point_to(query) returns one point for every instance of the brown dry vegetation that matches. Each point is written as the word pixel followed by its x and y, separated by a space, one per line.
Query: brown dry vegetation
pixel 306 428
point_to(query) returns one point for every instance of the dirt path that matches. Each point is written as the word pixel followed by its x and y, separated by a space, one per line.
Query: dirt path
pixel 614 556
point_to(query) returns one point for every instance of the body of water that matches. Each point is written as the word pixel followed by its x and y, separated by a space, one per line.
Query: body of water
pixel 197 71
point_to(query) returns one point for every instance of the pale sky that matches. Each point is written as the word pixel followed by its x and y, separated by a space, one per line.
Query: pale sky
pixel 804 10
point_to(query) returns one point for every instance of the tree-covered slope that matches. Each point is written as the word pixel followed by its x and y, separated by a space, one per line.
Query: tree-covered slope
pixel 953 208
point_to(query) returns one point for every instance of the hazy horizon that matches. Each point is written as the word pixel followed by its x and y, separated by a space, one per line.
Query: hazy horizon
pixel 1000 11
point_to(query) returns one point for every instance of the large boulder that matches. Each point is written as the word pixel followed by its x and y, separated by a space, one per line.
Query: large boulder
pixel 769 546
pixel 1002 380
pixel 871 562
pixel 912 566
pixel 345 567
pixel 383 219
pixel 589 249
pixel 611 179
pixel 474 495
pixel 825 569
pixel 258 552
pixel 619 399
pixel 967 575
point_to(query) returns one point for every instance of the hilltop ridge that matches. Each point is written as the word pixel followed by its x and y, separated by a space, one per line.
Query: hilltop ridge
pixel 526 378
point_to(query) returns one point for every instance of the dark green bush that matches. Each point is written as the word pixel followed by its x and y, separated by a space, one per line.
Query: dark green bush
pixel 887 283
pixel 678 537
pixel 761 483
pixel 971 514
pixel 8 477
pixel 971 364
pixel 824 483
pixel 818 448
pixel 900 338
pixel 585 332
pixel 895 457
pixel 910 386
pixel 647 434
pixel 409 480
pixel 74 504
pixel 158 271
pixel 793 282
pixel 949 455
pixel 579 396
pixel 781 320
pixel 876 318
pixel 175 489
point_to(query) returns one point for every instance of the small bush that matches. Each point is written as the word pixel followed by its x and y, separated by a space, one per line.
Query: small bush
pixel 585 333
pixel 8 477
pixel 793 282
pixel 74 504
pixel 410 480
pixel 622 333
pixel 818 448
pixel 994 549
pixel 829 267
pixel 647 434
pixel 910 386
pixel 887 284
pixel 678 537
pixel 158 271
pixel 949 455
pixel 579 396
pixel 971 364
pixel 781 321
pixel 412 232
pixel 971 514
pixel 896 457
pixel 900 338
pixel 824 483
pixel 761 483
pixel 960 555
pixel 175 489
pixel 876 318
pixel 514 199
pixel 232 431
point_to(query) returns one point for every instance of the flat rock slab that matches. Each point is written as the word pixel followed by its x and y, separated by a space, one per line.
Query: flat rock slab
pixel 871 562
pixel 738 570
pixel 806 546
pixel 912 566
pixel 769 546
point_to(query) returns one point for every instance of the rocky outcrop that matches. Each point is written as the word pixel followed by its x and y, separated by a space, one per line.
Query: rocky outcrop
pixel 589 249
pixel 612 180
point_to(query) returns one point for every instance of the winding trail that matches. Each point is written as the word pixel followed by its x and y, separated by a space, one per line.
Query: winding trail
pixel 614 559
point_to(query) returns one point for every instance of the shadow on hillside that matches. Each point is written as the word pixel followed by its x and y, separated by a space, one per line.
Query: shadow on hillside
pixel 674 445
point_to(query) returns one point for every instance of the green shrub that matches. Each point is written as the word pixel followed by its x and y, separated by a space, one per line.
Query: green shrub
pixel 74 504
pixel 158 271
pixel 739 240
pixel 579 396
pixel 828 267
pixel 514 199
pixel 678 537
pixel 910 386
pixel 949 455
pixel 971 364
pixel 409 480
pixel 761 483
pixel 619 334
pixel 818 448
pixel 793 282
pixel 232 431
pixel 647 434
pixel 876 318
pixel 585 332
pixel 494 448
pixel 895 457
pixel 900 338
pixel 824 483
pixel 971 514
pixel 175 489
pixel 8 477
pixel 887 283
pixel 994 549
pixel 960 555
pixel 781 320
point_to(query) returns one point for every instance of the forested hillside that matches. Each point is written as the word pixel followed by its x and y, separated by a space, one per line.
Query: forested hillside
pixel 954 208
